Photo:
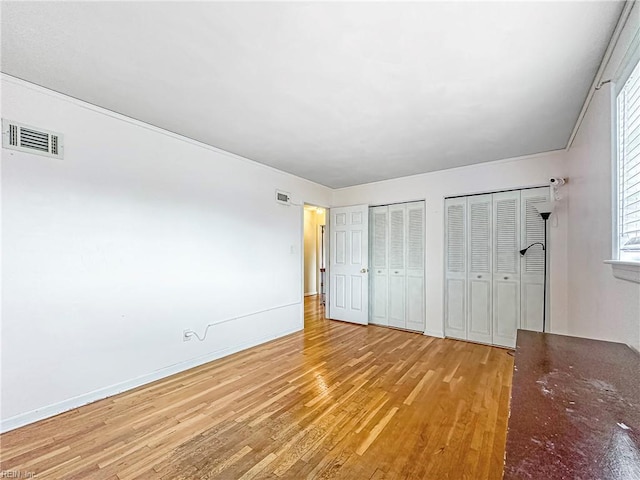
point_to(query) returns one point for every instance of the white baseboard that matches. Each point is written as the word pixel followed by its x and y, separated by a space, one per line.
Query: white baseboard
pixel 26 418
pixel 433 333
pixel 309 294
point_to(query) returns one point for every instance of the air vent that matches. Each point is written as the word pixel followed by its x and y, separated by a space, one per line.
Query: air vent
pixel 283 197
pixel 25 138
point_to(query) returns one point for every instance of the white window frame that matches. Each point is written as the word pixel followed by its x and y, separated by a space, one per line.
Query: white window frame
pixel 625 266
pixel 621 255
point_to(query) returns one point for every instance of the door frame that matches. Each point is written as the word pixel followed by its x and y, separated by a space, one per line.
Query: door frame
pixel 327 213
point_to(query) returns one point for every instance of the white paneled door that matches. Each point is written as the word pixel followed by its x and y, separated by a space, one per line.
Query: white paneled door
pixel 349 299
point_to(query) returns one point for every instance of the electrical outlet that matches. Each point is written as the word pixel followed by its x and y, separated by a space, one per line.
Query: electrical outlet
pixel 186 335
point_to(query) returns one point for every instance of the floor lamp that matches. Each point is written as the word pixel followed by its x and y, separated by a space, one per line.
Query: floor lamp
pixel 544 209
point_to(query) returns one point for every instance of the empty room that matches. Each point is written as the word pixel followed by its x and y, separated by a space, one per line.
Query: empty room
pixel 320 240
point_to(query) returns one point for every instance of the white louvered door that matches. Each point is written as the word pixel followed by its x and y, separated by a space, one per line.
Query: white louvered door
pixel 479 293
pixel 415 317
pixel 455 242
pixel 490 290
pixel 379 267
pixel 349 246
pixel 397 288
pixel 532 264
pixel 506 268
pixel 397 274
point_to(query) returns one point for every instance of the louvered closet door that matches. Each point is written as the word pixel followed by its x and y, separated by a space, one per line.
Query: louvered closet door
pixel 415 267
pixel 397 274
pixel 532 264
pixel 506 268
pixel 455 307
pixel 480 276
pixel 379 268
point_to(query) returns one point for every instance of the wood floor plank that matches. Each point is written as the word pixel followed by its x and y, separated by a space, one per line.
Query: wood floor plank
pixel 335 401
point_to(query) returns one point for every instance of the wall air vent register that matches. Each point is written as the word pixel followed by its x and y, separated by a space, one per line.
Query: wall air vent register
pixel 25 138
pixel 283 197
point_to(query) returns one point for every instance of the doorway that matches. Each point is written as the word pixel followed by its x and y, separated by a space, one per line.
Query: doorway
pixel 377 262
pixel 314 253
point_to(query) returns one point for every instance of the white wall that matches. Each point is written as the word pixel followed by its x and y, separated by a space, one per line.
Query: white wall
pixel 600 306
pixel 134 236
pixel 486 177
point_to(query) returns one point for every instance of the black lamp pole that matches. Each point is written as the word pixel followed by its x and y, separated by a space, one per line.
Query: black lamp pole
pixel 545 217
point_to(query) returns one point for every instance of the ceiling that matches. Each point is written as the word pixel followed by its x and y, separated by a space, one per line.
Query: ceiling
pixel 338 93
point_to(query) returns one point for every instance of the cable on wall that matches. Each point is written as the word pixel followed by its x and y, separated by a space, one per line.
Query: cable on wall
pixel 191 333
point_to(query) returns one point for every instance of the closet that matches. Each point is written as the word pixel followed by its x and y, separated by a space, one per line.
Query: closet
pixel 490 289
pixel 397 241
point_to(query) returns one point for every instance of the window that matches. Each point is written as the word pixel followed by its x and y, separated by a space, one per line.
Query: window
pixel 628 122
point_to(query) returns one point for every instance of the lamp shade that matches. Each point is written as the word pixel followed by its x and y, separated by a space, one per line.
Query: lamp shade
pixel 545 208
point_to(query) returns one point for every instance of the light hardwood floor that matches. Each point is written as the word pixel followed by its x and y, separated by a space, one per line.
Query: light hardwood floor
pixel 335 401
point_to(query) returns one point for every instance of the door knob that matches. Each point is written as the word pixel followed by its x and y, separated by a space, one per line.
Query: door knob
pixel 479 276
pixel 506 278
pixel 364 270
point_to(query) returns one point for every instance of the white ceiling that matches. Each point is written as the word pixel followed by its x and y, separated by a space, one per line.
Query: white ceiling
pixel 339 93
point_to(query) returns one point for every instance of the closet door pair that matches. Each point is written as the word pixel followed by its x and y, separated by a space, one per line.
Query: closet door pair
pixel 397 265
pixel 490 291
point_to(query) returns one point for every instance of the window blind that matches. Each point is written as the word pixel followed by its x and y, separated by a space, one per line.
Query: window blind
pixel 629 167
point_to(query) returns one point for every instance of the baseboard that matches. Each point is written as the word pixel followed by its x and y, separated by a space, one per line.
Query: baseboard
pixel 33 416
pixel 309 294
pixel 433 333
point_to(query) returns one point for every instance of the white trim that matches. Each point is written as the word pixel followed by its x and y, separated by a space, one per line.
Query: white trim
pixel 425 266
pixel 139 123
pixel 627 64
pixel 597 80
pixel 327 262
pixel 443 293
pixel 633 56
pixel 301 258
pixel 26 418
pixel 629 271
pixel 433 333
pixel 613 151
pixel 310 294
